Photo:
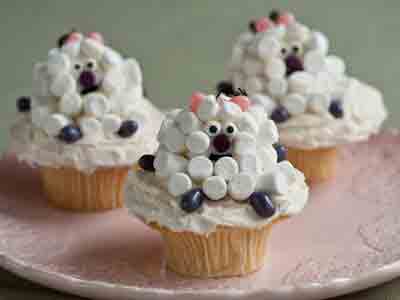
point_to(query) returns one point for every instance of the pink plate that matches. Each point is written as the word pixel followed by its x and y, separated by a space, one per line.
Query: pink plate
pixel 347 239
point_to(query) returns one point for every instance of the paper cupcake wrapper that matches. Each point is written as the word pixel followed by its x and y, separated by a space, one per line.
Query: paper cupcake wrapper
pixel 226 252
pixel 317 165
pixel 72 189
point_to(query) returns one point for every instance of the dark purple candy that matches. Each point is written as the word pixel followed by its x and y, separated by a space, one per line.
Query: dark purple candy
pixel 262 204
pixel 192 200
pixel 128 128
pixel 336 109
pixel 281 152
pixel 24 104
pixel 221 143
pixel 70 134
pixel 146 162
pixel 293 64
pixel 87 79
pixel 280 114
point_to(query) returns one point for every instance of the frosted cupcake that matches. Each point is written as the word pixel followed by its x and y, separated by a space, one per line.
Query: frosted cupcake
pixel 86 123
pixel 214 187
pixel 286 67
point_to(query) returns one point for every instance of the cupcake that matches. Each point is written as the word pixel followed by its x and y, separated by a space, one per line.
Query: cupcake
pixel 215 187
pixel 286 67
pixel 85 124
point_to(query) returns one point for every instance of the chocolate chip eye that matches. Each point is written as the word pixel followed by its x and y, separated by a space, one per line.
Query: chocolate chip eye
pixel 295 49
pixel 230 129
pixel 213 128
pixel 91 65
pixel 284 51
pixel 77 67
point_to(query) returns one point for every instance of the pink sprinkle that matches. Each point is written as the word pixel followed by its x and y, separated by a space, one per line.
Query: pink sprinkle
pixel 285 19
pixel 96 36
pixel 195 101
pixel 263 24
pixel 74 37
pixel 242 101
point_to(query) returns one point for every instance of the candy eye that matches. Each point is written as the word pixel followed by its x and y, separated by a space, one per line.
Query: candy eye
pixel 284 51
pixel 213 128
pixel 230 129
pixel 296 49
pixel 91 65
pixel 77 67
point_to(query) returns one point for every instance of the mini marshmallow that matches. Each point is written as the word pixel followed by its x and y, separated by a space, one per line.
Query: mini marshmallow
pixel 335 65
pixel 264 100
pixel 111 123
pixel 71 104
pixel 228 110
pixel 58 63
pixel 287 169
pixel 174 139
pixel 277 87
pixel 90 126
pixel 161 136
pixel 208 108
pixel 241 186
pixel 178 184
pixel 319 42
pixel 268 47
pixel 258 112
pixel 244 39
pixel 215 188
pixel 252 67
pixel 63 84
pixel 247 123
pixel 197 142
pixel 323 83
pixel 253 84
pixel 187 122
pixel 133 72
pixel 96 104
pixel 114 80
pixel 297 32
pixel 167 163
pixel 41 80
pixel 200 168
pixel 300 82
pixel 314 61
pixel 111 58
pixel 39 115
pixel 275 68
pixel 267 133
pixel 249 163
pixel 244 143
pixel 295 104
pixel 266 158
pixel 226 167
pixel 54 123
pixel 319 103
pixel 92 48
pixel 273 182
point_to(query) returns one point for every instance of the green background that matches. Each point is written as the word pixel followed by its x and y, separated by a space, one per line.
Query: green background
pixel 184 46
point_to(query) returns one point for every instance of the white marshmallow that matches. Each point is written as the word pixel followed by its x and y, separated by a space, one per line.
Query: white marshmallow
pixel 58 63
pixel 275 68
pixel 54 123
pixel 96 104
pixel 279 31
pixel 247 123
pixel 41 81
pixel 91 127
pixel 208 108
pixel 277 87
pixel 241 186
pixel 114 80
pixel 264 100
pixel 319 103
pixel 297 32
pixel 267 133
pixel 244 143
pixel 323 83
pixel 63 84
pixel 178 184
pixel 319 42
pixel 167 163
pixel 215 188
pixel 252 67
pixel 273 182
pixel 161 135
pixel 173 113
pixel 244 39
pixel 111 123
pixel 200 168
pixel 226 167
pixel 335 65
pixel 249 163
pixel 268 47
pixel 111 58
pixel 314 61
pixel 266 158
pixel 71 104
pixel 197 142
pixel 174 139
pixel 287 169
pixel 132 71
pixel 71 49
pixel 39 115
pixel 258 112
pixel 295 104
pixel 92 48
pixel 228 110
pixel 253 85
pixel 187 122
pixel 300 82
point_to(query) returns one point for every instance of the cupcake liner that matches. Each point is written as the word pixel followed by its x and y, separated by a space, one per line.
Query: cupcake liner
pixel 72 189
pixel 226 252
pixel 317 165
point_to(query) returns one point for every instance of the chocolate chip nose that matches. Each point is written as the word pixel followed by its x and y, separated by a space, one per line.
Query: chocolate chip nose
pixel 293 64
pixel 221 143
pixel 87 79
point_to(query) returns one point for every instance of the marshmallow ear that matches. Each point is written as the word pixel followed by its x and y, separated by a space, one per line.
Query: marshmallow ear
pixel 74 37
pixel 242 101
pixel 96 36
pixel 195 101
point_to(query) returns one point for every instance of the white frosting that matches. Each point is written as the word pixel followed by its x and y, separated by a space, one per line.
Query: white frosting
pixel 89 85
pixel 307 95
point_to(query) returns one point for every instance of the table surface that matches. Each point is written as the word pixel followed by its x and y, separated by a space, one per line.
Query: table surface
pixel 184 46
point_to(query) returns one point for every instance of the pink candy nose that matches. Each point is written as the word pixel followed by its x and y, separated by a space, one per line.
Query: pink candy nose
pixel 221 143
pixel 87 79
